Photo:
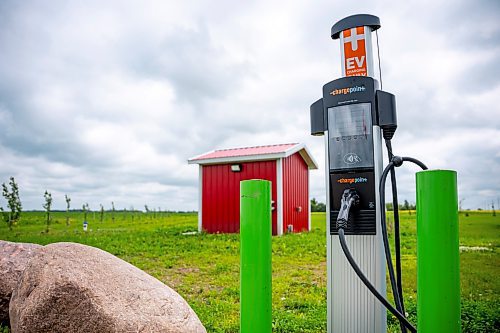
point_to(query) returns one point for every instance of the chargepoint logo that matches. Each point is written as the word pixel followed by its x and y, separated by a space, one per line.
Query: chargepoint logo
pixel 352 158
pixel 347 91
pixel 356 180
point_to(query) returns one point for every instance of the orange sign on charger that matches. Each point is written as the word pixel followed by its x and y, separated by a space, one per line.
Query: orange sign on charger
pixel 355 52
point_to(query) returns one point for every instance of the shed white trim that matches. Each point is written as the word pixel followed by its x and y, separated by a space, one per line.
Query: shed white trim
pixel 309 200
pixel 279 199
pixel 200 198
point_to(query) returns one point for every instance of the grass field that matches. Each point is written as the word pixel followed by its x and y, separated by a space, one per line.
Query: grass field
pixel 204 268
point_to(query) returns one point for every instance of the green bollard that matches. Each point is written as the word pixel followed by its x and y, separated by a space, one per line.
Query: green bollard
pixel 255 254
pixel 438 273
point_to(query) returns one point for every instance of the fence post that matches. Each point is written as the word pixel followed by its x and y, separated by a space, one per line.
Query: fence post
pixel 438 273
pixel 255 256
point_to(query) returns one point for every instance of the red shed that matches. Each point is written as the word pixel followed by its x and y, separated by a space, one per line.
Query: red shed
pixel 285 165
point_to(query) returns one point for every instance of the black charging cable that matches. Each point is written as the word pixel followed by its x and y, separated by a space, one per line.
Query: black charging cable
pixel 396 282
pixel 350 198
pixel 389 126
pixel 397 238
pixel 396 161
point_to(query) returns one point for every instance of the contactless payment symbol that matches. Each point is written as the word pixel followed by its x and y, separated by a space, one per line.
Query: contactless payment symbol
pixel 352 158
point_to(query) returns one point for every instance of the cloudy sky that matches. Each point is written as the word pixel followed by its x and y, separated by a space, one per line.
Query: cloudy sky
pixel 106 100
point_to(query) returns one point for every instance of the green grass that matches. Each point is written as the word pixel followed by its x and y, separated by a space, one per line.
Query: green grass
pixel 204 268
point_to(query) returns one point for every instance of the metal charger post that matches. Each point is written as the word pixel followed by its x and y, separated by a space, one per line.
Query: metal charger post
pixel 349 116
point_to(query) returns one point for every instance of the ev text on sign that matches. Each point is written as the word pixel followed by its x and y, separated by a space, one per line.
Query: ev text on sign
pixel 355 52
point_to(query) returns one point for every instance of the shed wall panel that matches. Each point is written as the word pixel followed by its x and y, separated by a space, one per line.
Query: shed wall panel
pixel 221 194
pixel 295 193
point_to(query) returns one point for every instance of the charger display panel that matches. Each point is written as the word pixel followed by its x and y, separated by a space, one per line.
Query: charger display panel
pixel 350 136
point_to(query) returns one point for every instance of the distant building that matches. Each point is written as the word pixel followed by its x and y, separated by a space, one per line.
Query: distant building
pixel 285 165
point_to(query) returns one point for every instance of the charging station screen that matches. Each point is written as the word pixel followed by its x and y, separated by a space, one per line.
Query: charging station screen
pixel 351 142
pixel 349 120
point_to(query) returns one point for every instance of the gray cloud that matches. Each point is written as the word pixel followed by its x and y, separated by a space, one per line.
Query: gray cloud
pixel 480 77
pixel 106 101
pixel 471 25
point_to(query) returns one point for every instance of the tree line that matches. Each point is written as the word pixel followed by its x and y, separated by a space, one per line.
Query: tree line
pixel 12 214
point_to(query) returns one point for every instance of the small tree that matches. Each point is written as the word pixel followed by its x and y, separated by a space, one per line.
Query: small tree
pixel 13 203
pixel 460 204
pixel 147 211
pixel 47 205
pixel 68 200
pixel 101 217
pixel 112 211
pixel 85 209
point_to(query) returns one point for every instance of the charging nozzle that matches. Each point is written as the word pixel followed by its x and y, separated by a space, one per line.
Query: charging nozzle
pixel 350 198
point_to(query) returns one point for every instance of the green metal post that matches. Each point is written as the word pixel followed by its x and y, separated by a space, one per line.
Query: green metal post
pixel 255 254
pixel 438 274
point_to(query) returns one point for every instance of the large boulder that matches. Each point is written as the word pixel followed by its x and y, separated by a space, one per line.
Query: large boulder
pixel 13 259
pixel 69 287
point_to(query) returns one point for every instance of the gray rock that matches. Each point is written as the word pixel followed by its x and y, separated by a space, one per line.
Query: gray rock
pixel 13 259
pixel 69 287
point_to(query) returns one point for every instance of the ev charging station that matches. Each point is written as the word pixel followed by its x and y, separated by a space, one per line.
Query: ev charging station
pixel 349 116
pixel 355 116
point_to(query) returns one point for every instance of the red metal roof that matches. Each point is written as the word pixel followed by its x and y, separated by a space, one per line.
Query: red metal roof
pixel 258 153
pixel 245 151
